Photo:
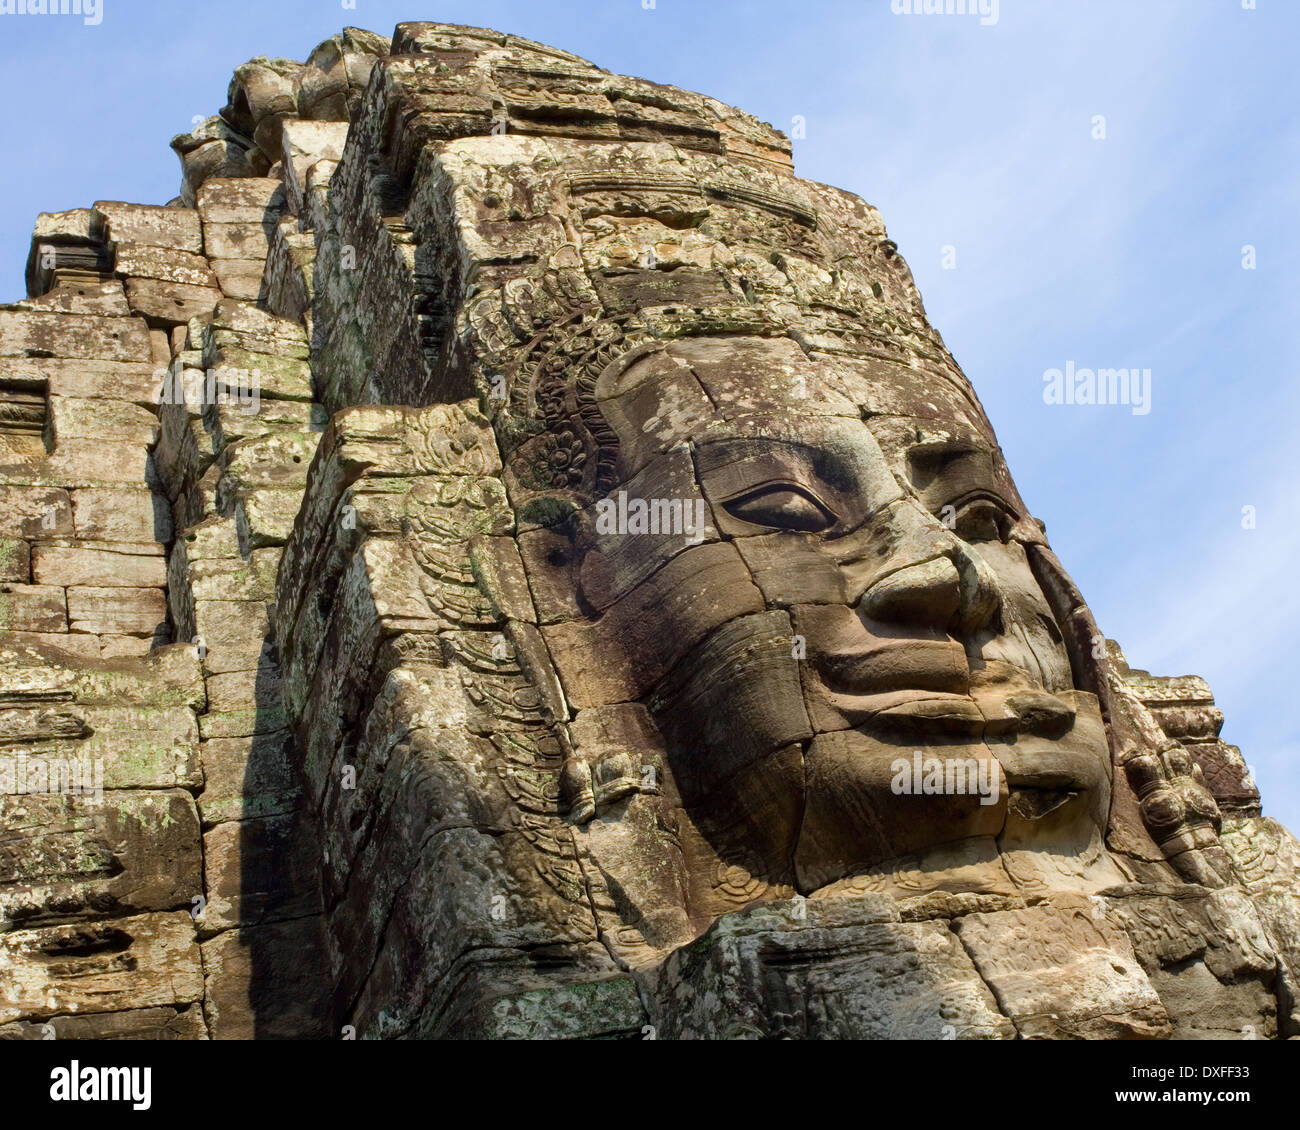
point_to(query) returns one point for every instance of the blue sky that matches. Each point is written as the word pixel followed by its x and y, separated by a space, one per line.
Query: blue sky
pixel 1121 252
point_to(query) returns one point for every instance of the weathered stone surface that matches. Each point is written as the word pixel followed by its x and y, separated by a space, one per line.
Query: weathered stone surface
pixel 602 609
pixel 33 608
pixel 117 612
pixel 115 647
pixel 140 261
pixel 265 517
pixel 162 301
pixel 1064 973
pixel 252 996
pixel 231 422
pixel 1209 959
pixel 121 515
pixel 241 200
pixel 825 970
pixel 84 462
pixel 142 747
pixel 129 852
pixel 125 565
pixel 233 633
pixel 34 676
pixel 103 298
pixel 290 270
pixel 85 646
pixel 235 241
pixel 591 675
pixel 304 144
pixel 74 417
pixel 184 1022
pixel 212 150
pixel 35 512
pixel 258 870
pixel 137 382
pixel 239 278
pixel 608 1009
pixel 37 333
pixel 248 777
pixel 175 228
pixel 15 560
pixel 481 869
pixel 106 965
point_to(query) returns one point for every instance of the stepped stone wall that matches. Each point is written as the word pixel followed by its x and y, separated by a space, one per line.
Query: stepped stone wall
pixel 157 425
pixel 294 472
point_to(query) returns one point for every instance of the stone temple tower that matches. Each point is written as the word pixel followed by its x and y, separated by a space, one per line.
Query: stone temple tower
pixel 499 555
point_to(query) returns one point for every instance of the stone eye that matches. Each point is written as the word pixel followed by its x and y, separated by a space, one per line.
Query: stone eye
pixel 980 519
pixel 783 506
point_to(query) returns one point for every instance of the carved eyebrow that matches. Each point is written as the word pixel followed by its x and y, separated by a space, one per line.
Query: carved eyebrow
pixel 733 467
pixel 942 449
pixel 715 452
pixel 819 459
pixel 984 494
pixel 928 460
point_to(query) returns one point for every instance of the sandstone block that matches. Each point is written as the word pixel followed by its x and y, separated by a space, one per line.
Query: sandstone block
pixel 113 566
pixel 176 228
pixel 109 965
pixel 33 608
pixel 117 611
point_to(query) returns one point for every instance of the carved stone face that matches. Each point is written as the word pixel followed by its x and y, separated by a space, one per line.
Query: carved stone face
pixel 851 665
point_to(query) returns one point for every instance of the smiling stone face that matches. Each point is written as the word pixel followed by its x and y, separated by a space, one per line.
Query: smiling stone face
pixel 790 623
pixel 855 598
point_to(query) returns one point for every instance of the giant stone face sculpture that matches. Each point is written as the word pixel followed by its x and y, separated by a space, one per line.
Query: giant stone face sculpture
pixel 659 635
pixel 865 586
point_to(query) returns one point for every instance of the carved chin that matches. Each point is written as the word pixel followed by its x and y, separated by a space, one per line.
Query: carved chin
pixel 868 801
pixel 920 771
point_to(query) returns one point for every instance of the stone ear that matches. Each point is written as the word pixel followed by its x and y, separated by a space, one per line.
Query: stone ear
pixel 577 794
pixel 596 579
pixel 574 553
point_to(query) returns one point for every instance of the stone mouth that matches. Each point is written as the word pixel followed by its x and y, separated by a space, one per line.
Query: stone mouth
pixel 923 697
pixel 1036 803
pixel 912 712
pixel 895 665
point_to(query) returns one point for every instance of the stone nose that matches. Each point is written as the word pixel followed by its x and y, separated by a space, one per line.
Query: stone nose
pixel 955 593
pixel 925 595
